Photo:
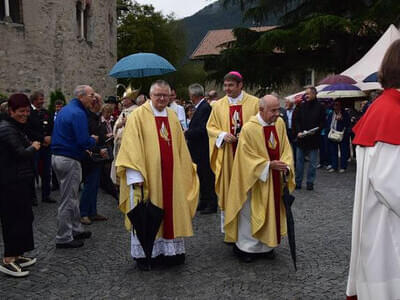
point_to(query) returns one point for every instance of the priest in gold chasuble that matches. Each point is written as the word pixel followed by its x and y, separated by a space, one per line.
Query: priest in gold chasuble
pixel 154 155
pixel 255 218
pixel 227 118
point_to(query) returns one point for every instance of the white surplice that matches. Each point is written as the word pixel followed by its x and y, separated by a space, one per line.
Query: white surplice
pixel 375 249
pixel 166 247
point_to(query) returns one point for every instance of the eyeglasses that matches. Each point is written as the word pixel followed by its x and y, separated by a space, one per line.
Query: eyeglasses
pixel 161 95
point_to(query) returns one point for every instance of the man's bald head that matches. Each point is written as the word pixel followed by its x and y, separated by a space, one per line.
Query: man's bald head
pixel 268 100
pixel 269 108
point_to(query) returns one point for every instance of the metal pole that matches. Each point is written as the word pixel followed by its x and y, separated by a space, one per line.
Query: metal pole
pixel 7 17
pixel 7 8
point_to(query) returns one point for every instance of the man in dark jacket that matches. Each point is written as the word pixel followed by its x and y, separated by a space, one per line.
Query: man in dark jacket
pixel 39 128
pixel 92 165
pixel 197 139
pixel 70 141
pixel 309 120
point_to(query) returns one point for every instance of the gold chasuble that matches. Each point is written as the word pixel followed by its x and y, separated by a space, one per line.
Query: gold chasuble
pixel 227 118
pixel 267 211
pixel 172 185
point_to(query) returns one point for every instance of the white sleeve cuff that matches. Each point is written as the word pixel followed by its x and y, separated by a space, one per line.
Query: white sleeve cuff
pixel 220 139
pixel 264 175
pixel 133 176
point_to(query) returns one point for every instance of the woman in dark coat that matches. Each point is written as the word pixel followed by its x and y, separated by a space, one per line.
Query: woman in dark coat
pixel 16 175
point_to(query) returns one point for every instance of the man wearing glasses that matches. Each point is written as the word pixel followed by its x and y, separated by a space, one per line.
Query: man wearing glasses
pixel 154 155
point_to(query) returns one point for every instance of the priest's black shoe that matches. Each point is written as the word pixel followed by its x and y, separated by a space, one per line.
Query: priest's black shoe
pixel 269 255
pixel 310 186
pixel 243 256
pixel 208 210
pixel 143 264
pixel 174 260
pixel 49 200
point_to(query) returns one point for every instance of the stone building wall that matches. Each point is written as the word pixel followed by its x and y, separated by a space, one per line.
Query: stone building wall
pixel 46 52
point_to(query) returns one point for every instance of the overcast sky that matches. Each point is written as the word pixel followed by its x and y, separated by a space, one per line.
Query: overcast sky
pixel 181 8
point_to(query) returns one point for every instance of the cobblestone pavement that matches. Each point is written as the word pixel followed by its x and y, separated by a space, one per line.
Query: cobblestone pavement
pixel 103 268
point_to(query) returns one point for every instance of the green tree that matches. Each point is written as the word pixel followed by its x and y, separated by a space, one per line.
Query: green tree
pixel 319 34
pixel 54 96
pixel 142 29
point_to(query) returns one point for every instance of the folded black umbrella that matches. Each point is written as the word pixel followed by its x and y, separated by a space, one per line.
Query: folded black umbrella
pixel 288 201
pixel 146 219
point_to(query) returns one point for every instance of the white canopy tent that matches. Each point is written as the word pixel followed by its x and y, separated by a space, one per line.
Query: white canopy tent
pixel 369 63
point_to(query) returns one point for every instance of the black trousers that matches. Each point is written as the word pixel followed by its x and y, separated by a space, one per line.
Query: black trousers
pixel 105 181
pixel 16 217
pixel 208 197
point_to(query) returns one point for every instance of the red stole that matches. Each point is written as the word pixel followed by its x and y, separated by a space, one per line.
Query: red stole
pixel 167 167
pixel 236 122
pixel 272 145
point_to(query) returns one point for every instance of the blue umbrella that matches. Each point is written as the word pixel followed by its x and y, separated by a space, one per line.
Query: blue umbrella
pixel 372 77
pixel 340 90
pixel 141 65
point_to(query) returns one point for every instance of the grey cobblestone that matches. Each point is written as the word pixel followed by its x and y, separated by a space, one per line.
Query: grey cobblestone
pixel 103 268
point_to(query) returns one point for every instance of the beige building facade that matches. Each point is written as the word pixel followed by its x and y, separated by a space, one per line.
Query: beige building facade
pixel 57 44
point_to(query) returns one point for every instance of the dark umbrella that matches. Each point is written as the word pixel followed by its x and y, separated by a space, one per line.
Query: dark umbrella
pixel 334 79
pixel 372 77
pixel 341 90
pixel 288 201
pixel 146 219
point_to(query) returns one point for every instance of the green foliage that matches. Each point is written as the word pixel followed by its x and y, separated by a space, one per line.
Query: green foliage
pixel 54 96
pixel 142 29
pixel 3 97
pixel 320 34
pixel 191 72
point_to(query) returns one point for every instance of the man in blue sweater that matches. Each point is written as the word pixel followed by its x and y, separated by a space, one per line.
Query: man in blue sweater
pixel 69 142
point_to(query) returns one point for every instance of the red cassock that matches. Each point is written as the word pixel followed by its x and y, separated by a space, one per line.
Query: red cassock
pixel 236 122
pixel 167 168
pixel 272 145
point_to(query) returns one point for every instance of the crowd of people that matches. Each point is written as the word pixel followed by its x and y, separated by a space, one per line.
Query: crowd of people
pixel 236 152
pixel 81 147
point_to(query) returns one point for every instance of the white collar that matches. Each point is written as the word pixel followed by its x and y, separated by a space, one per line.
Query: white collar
pixel 237 99
pixel 262 122
pixel 158 113
pixel 197 105
pixel 33 107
